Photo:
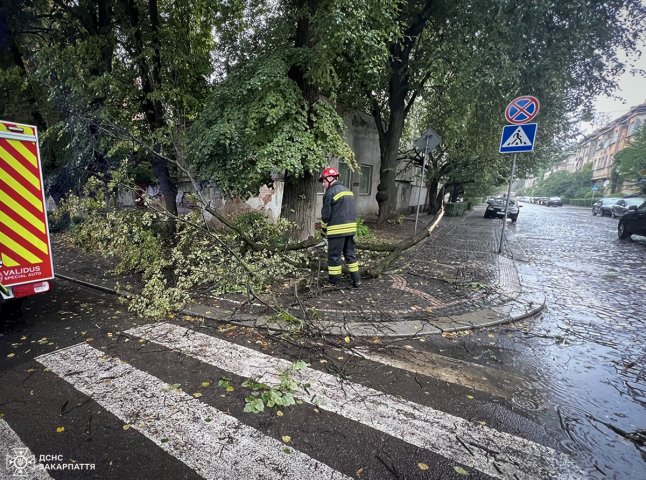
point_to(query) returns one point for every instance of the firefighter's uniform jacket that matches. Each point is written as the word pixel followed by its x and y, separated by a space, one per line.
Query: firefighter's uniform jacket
pixel 338 215
pixel 339 225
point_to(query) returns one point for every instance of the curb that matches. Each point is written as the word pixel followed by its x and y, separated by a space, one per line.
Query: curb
pixel 518 310
pixel 406 328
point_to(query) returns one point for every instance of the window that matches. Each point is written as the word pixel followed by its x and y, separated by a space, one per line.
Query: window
pixel 365 180
pixel 345 175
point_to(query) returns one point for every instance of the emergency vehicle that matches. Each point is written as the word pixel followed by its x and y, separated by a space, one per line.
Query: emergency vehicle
pixel 26 265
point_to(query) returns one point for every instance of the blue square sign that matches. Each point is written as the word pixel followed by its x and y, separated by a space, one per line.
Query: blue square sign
pixel 518 138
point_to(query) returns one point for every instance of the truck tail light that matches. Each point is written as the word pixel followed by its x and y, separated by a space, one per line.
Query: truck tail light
pixel 28 289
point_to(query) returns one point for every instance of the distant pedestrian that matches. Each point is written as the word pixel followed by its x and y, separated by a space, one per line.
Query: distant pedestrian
pixel 339 225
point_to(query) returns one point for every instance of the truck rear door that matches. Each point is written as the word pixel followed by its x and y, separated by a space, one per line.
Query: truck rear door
pixel 25 247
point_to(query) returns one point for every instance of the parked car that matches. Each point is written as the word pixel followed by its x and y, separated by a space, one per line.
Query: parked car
pixel 554 202
pixel 624 204
pixel 632 222
pixel 603 206
pixel 496 208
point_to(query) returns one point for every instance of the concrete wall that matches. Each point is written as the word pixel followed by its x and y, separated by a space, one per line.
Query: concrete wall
pixel 361 134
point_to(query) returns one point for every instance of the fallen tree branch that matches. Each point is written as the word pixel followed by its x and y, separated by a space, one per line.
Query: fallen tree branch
pixel 638 436
pixel 401 247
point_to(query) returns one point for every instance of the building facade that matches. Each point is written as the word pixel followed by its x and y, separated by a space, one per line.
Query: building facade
pixel 600 147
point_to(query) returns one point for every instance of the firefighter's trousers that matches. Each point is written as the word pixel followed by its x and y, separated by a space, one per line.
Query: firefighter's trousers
pixel 337 246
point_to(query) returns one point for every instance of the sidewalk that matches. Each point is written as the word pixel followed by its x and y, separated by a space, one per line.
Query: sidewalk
pixel 454 280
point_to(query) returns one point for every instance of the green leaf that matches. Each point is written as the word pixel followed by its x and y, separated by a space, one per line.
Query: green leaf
pixel 224 382
pixel 272 397
pixel 460 470
pixel 288 399
pixel 299 365
pixel 254 405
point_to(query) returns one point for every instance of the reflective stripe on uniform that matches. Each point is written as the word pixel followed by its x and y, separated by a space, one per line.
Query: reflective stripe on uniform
pixel 335 270
pixel 342 194
pixel 342 228
pixel 353 267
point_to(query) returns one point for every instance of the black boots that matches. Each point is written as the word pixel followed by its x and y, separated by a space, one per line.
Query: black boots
pixel 335 280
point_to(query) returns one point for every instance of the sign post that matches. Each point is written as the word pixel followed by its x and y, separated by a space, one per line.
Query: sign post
pixel 430 140
pixel 518 137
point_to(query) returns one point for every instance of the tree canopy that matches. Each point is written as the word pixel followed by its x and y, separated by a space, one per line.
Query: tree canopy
pixel 631 161
pixel 565 184
pixel 262 85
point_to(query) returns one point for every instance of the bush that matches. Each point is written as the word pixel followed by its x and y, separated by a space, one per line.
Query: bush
pixel 580 202
pixel 194 259
pixel 362 229
pixel 455 209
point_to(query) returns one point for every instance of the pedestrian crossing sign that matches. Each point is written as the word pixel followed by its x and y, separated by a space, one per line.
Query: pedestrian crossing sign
pixel 518 138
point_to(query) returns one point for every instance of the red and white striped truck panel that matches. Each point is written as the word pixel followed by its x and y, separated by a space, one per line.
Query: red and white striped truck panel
pixel 25 248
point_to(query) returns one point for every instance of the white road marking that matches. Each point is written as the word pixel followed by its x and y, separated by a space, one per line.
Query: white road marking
pixel 495 453
pixel 212 443
pixel 16 460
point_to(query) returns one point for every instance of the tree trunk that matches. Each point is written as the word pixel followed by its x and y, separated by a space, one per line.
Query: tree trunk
pixel 399 88
pixel 299 198
pixel 433 204
pixel 387 189
pixel 152 108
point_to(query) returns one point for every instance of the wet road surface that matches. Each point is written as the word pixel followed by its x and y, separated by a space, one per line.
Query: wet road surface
pixel 580 368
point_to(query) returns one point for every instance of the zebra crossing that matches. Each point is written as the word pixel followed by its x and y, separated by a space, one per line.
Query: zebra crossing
pixel 217 445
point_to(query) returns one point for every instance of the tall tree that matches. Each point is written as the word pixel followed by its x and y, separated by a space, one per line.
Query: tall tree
pixel 276 110
pixel 138 66
pixel 564 52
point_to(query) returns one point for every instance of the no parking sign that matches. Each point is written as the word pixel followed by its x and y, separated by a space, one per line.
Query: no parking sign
pixel 522 109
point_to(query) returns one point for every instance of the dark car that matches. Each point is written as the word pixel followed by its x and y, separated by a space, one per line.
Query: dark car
pixel 632 222
pixel 554 202
pixel 624 204
pixel 603 206
pixel 496 208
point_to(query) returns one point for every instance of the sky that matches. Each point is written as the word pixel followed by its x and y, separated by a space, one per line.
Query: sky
pixel 631 90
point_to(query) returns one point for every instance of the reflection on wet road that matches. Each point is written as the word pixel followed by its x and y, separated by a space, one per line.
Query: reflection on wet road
pixel 587 352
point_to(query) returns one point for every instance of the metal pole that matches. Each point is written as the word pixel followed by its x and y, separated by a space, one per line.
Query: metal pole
pixel 504 220
pixel 419 192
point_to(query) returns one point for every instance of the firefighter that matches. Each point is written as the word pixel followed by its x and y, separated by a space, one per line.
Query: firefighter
pixel 339 225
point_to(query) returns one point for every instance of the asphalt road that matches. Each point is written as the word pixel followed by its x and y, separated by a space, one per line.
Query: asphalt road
pixel 95 392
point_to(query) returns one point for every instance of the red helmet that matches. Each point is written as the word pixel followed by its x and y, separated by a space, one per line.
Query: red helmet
pixel 329 172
